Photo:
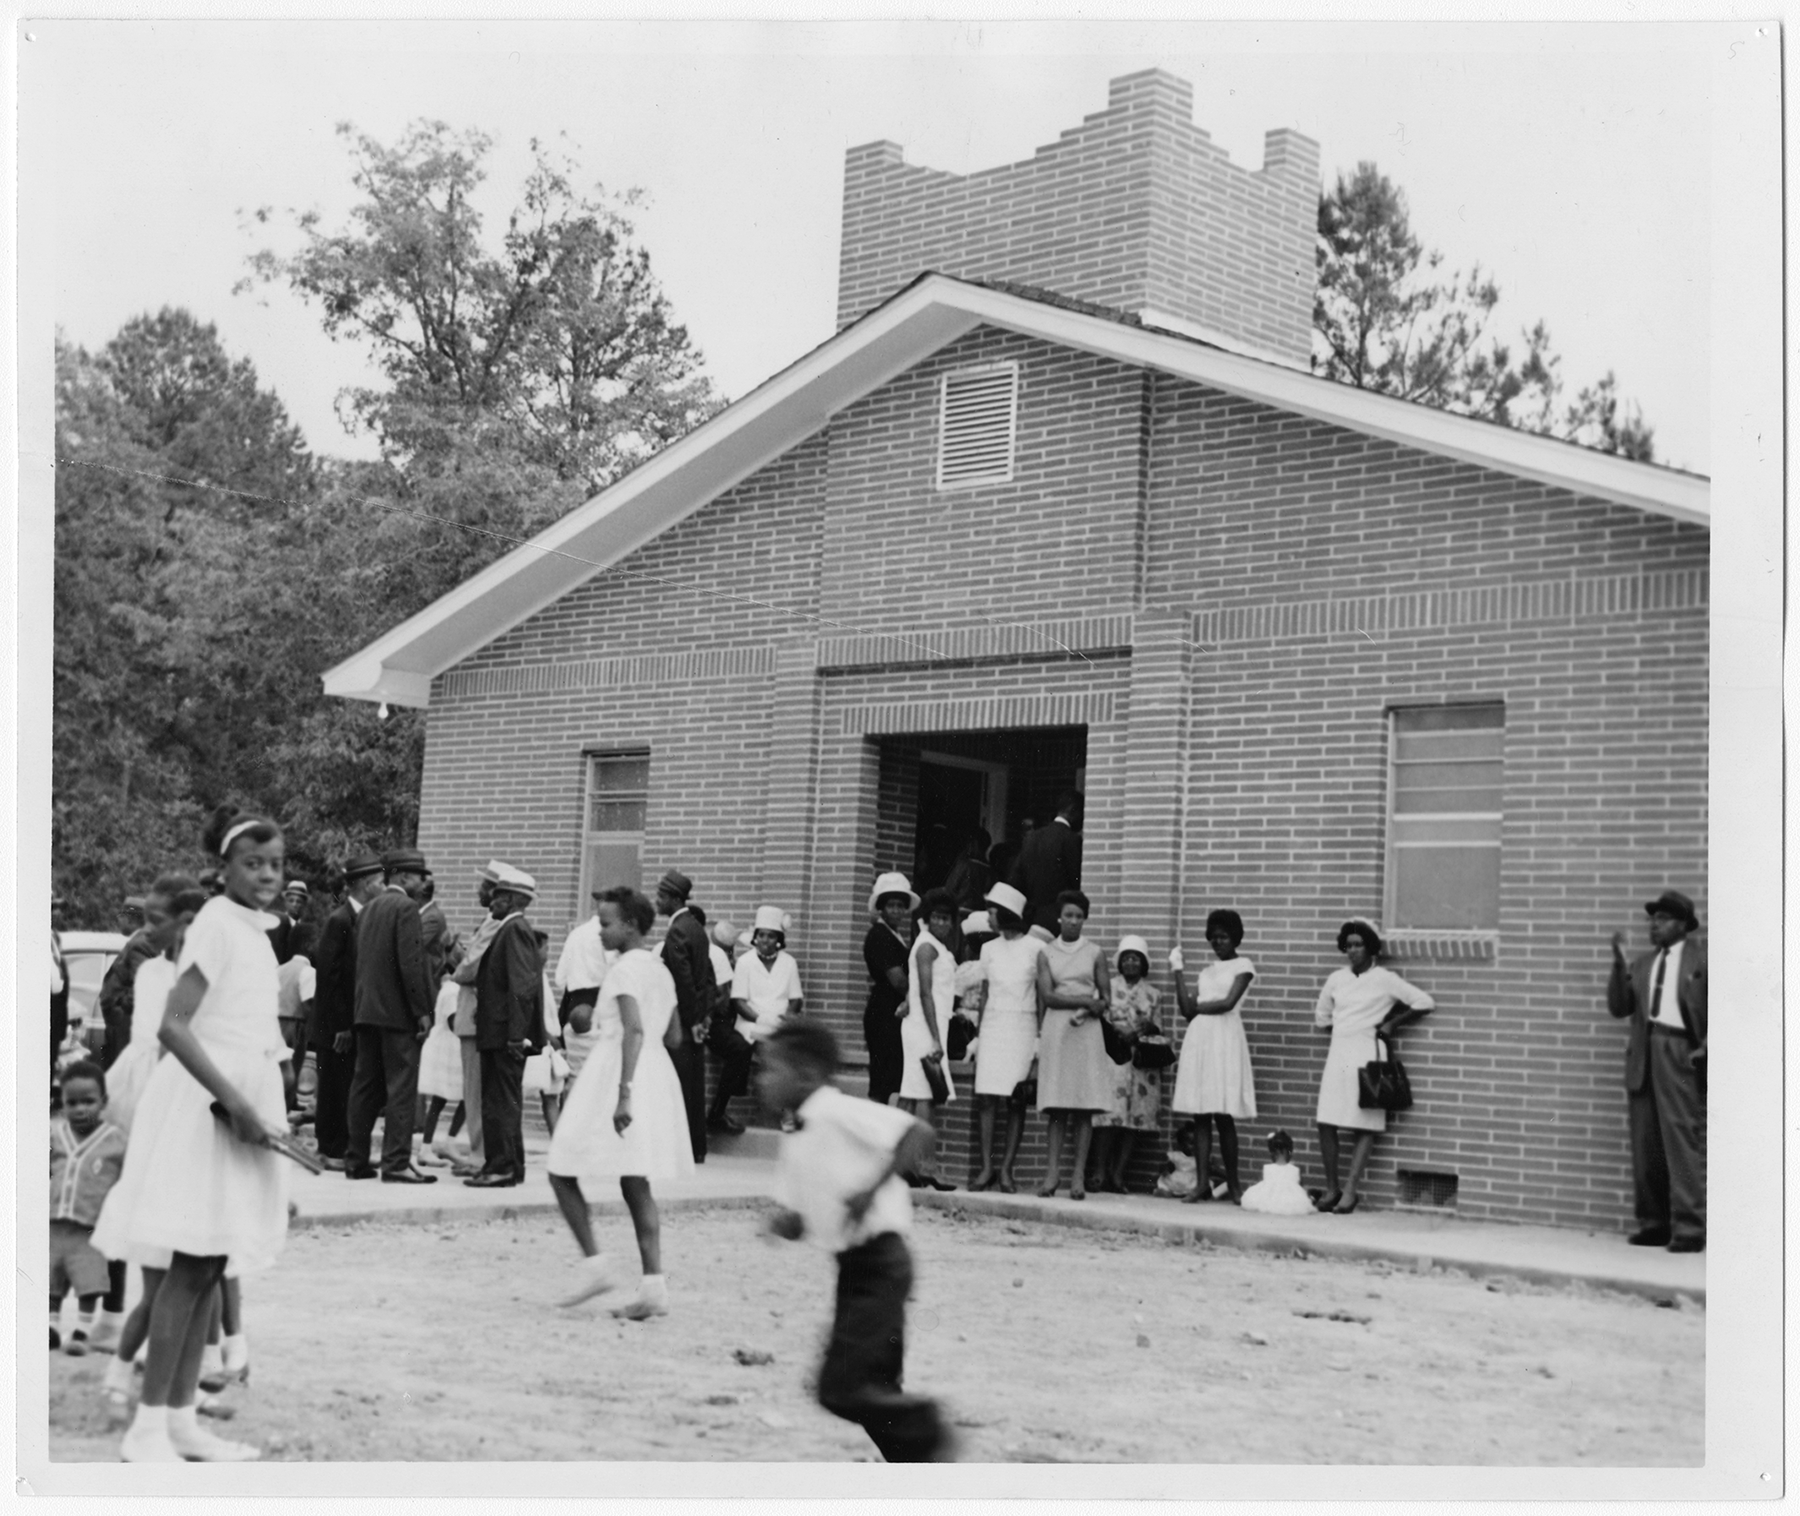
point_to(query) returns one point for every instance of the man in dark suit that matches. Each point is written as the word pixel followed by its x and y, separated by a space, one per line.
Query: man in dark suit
pixel 689 961
pixel 1048 864
pixel 434 928
pixel 332 1029
pixel 1664 995
pixel 509 1027
pixel 393 1016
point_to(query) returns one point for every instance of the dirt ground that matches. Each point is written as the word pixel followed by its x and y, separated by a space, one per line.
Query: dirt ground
pixel 1044 1344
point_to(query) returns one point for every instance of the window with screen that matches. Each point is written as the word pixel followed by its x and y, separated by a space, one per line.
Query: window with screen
pixel 618 794
pixel 1444 818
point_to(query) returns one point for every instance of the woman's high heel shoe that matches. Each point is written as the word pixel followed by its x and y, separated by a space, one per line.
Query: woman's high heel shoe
pixel 1340 1209
pixel 1328 1202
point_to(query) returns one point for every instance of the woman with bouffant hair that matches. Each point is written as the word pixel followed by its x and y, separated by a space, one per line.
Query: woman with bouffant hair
pixel 200 1187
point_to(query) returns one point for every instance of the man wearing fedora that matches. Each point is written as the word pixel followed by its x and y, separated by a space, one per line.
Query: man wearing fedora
pixel 1664 995
pixel 394 996
pixel 332 1031
pixel 509 1026
pixel 686 956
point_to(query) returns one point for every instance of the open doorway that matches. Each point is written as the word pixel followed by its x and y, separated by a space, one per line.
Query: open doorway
pixel 954 806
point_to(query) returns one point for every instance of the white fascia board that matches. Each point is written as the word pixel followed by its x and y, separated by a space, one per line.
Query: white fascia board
pixel 1667 492
pixel 398 667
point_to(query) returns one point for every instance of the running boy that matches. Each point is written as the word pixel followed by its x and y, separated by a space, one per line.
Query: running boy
pixel 838 1179
pixel 87 1155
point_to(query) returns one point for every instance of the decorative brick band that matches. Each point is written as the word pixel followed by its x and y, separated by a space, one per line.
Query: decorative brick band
pixel 900 717
pixel 990 639
pixel 606 673
pixel 1544 600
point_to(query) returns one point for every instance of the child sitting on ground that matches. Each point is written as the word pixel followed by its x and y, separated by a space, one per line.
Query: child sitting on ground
pixel 838 1179
pixel 87 1155
pixel 1178 1174
pixel 1279 1192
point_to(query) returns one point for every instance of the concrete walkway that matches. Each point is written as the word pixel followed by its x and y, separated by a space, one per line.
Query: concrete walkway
pixel 739 1172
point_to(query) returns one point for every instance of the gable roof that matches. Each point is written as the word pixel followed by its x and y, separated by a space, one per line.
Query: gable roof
pixel 929 313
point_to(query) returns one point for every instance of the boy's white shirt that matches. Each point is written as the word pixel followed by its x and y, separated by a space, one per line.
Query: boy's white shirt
pixel 842 1145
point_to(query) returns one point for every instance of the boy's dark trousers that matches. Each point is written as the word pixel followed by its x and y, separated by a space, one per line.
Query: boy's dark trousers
pixel 860 1378
pixel 331 1099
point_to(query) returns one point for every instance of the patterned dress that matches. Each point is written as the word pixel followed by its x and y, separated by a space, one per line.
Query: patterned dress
pixel 1137 1093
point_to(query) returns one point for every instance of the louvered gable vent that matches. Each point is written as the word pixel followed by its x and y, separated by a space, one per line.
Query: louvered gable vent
pixel 978 417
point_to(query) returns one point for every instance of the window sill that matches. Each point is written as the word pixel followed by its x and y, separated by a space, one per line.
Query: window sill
pixel 1440 946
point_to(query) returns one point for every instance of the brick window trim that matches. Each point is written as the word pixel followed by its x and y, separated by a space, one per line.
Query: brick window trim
pixel 1434 946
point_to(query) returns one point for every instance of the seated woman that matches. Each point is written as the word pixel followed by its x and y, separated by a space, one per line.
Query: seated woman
pixel 1007 1030
pixel 1357 1001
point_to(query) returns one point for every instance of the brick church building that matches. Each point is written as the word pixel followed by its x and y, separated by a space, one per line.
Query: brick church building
pixel 1061 505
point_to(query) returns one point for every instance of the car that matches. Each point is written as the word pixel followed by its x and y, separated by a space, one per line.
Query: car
pixel 86 958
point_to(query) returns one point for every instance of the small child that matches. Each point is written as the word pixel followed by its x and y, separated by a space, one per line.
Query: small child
pixel 1179 1175
pixel 87 1155
pixel 838 1181
pixel 1279 1192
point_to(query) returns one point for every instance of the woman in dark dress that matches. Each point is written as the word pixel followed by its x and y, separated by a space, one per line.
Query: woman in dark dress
pixel 891 902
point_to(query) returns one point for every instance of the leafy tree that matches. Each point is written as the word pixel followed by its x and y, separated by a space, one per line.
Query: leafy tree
pixel 1384 321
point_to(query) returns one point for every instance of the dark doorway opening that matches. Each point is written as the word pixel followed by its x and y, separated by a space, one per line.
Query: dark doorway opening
pixel 941 793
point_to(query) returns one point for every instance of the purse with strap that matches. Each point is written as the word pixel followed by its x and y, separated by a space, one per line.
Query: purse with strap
pixel 1381 1083
pixel 1118 1045
pixel 1152 1051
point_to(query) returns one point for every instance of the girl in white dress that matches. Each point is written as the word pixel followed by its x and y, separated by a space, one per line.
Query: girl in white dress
pixel 624 1118
pixel 1214 1082
pixel 1357 1001
pixel 1008 1030
pixel 930 995
pixel 1279 1192
pixel 198 1188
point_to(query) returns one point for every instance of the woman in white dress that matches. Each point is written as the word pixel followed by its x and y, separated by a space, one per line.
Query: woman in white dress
pixel 1074 1073
pixel 1357 1001
pixel 930 995
pixel 1214 1082
pixel 199 1188
pixel 1008 1030
pixel 624 1118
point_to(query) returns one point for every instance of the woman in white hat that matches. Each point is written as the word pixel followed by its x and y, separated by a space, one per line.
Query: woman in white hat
pixel 885 950
pixel 1008 1030
pixel 1137 1093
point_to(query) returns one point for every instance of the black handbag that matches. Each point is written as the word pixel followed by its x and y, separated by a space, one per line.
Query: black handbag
pixel 1152 1051
pixel 961 1034
pixel 1118 1045
pixel 1381 1083
pixel 934 1076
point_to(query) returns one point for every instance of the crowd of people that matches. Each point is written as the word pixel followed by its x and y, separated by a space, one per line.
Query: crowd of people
pixel 167 1153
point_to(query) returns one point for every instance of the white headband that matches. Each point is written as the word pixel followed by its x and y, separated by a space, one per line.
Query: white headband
pixel 233 835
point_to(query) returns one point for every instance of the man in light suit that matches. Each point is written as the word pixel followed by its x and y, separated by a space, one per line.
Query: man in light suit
pixel 1049 862
pixel 1664 995
pixel 394 997
pixel 332 1031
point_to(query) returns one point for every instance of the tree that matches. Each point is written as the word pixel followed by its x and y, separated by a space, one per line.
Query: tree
pixel 1383 321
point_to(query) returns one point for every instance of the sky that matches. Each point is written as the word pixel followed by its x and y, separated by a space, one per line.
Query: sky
pixel 1571 163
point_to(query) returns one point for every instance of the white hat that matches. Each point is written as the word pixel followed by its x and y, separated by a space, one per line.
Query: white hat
pixel 771 918
pixel 893 884
pixel 744 943
pixel 976 924
pixel 506 877
pixel 1130 943
pixel 491 872
pixel 1008 899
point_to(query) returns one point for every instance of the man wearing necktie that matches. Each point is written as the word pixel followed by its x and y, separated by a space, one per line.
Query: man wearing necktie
pixel 1664 995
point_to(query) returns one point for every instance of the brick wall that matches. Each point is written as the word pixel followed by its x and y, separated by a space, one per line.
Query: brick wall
pixel 1227 600
pixel 1136 209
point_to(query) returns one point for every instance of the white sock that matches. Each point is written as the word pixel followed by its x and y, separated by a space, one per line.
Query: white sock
pixel 212 1361
pixel 183 1421
pixel 117 1375
pixel 111 1321
pixel 656 1288
pixel 151 1419
pixel 84 1322
pixel 236 1352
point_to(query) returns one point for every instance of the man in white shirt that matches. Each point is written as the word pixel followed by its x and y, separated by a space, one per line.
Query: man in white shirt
pixel 838 1181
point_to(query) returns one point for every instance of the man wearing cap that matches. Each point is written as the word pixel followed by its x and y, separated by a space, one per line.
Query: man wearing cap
pixel 295 897
pixel 394 999
pixel 685 956
pixel 509 1026
pixel 332 1029
pixel 468 966
pixel 1049 862
pixel 1664 995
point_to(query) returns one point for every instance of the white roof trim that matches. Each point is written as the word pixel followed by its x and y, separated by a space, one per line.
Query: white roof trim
pixel 399 666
